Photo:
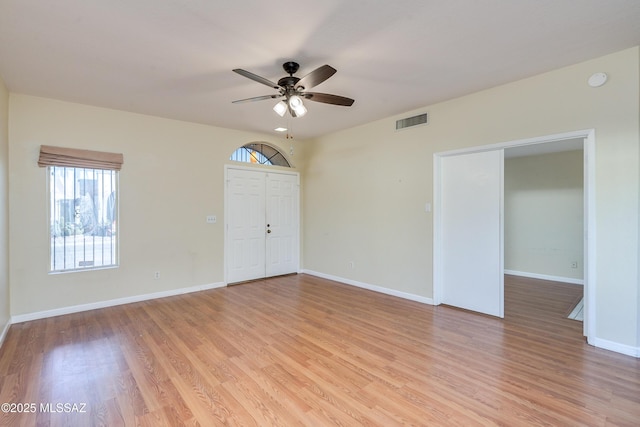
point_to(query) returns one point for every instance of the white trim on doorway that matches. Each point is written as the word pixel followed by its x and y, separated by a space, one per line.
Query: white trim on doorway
pixel 588 145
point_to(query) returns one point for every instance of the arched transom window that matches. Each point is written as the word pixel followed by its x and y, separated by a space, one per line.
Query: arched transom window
pixel 261 154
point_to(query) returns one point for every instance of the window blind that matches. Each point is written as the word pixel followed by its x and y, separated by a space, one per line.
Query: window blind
pixel 73 157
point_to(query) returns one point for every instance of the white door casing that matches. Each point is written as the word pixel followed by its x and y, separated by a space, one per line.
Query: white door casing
pixel 588 136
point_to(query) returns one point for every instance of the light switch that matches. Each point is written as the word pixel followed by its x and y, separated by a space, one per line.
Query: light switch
pixel 211 219
pixel 427 207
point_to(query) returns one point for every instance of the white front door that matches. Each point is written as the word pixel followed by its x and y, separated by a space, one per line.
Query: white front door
pixel 471 253
pixel 262 224
pixel 245 225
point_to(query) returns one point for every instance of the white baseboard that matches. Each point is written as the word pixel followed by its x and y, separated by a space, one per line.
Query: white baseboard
pixel 3 334
pixel 374 288
pixel 617 347
pixel 545 277
pixel 110 303
pixel 597 342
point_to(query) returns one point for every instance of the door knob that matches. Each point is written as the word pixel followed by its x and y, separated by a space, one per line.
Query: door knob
pixel 268 231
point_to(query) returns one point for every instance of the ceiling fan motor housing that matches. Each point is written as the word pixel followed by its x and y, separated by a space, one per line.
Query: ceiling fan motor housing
pixel 291 67
pixel 289 81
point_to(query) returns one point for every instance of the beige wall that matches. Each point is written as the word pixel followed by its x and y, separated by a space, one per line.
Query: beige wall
pixel 4 208
pixel 543 214
pixel 172 178
pixel 365 188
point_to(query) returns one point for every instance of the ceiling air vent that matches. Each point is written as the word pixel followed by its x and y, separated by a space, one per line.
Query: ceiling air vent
pixel 420 119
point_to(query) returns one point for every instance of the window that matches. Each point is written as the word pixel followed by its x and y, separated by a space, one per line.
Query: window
pixel 83 207
pixel 83 211
pixel 261 154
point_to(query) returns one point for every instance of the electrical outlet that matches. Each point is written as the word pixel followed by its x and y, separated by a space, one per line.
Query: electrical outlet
pixel 352 264
pixel 156 275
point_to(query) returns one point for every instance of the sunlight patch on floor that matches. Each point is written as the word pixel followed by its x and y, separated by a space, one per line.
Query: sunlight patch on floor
pixel 578 311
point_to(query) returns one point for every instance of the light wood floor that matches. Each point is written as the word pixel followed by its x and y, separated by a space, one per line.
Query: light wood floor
pixel 299 350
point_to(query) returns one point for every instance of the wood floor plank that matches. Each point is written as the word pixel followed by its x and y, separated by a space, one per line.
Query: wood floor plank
pixel 301 350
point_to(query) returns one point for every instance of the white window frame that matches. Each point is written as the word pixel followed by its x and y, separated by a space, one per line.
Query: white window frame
pixel 55 232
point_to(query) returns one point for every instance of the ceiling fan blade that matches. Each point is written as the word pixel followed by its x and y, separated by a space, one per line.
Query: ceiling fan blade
pixel 316 77
pixel 328 98
pixel 256 78
pixel 256 98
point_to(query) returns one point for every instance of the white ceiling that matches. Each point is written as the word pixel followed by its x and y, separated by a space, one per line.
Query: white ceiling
pixel 173 58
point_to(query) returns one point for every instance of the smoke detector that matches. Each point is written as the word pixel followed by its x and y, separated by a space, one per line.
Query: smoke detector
pixel 597 79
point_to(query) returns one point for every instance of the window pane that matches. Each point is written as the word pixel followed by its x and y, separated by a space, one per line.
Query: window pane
pixel 262 154
pixel 82 218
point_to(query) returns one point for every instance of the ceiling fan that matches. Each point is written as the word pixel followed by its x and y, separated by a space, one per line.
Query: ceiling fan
pixel 293 89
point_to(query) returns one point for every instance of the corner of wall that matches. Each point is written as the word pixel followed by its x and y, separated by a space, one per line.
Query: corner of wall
pixel 5 312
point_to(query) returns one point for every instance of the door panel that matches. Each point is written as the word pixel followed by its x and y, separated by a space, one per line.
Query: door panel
pixel 472 254
pixel 282 215
pixel 246 225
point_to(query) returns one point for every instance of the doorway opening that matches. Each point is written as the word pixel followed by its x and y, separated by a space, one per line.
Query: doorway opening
pixel 492 291
pixel 544 228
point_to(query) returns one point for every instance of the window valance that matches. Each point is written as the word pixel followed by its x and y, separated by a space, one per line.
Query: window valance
pixel 73 157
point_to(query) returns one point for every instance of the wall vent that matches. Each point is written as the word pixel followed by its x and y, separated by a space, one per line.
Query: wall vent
pixel 420 119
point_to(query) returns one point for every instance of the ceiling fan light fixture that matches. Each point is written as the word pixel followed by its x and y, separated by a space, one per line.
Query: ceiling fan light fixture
pixel 301 111
pixel 280 108
pixel 295 102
